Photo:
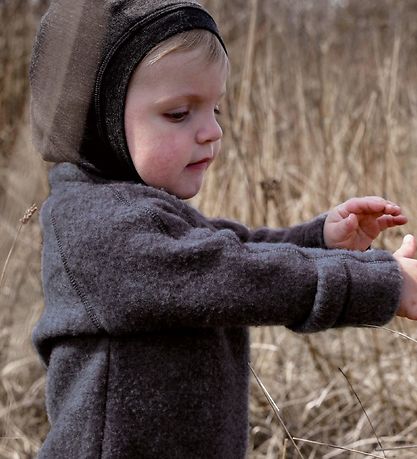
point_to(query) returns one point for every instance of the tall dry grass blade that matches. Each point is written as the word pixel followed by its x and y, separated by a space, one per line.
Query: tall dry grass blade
pixel 6 263
pixel 284 449
pixel 247 74
pixel 394 332
pixel 397 448
pixel 276 409
pixel 363 409
pixel 344 448
pixel 26 217
pixel 384 394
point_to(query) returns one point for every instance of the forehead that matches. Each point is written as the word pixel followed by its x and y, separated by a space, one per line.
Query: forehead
pixel 181 70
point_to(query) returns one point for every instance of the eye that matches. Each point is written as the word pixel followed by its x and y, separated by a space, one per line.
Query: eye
pixel 177 116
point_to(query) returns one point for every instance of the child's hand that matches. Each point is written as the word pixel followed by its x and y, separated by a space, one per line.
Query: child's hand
pixel 404 256
pixel 354 224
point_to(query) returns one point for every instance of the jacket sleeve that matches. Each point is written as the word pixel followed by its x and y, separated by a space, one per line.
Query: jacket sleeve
pixel 309 234
pixel 150 270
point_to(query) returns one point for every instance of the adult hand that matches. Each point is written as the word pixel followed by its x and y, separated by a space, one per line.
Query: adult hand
pixel 354 224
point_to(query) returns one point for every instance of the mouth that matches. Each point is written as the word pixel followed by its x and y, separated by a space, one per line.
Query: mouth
pixel 200 163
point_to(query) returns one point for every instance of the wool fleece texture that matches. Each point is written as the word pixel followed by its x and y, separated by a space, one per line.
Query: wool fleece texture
pixel 147 302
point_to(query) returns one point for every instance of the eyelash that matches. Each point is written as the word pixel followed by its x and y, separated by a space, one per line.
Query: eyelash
pixel 177 116
pixel 180 116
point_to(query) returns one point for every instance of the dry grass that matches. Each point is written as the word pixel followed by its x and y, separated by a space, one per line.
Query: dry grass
pixel 322 106
pixel 22 417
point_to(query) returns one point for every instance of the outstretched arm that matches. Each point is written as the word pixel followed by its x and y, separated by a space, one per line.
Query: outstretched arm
pixel 308 234
pixel 136 268
pixel 354 224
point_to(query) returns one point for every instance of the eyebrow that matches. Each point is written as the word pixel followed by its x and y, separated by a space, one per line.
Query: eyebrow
pixel 181 97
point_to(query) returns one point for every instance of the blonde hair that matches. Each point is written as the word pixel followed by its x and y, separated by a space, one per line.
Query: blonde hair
pixel 210 46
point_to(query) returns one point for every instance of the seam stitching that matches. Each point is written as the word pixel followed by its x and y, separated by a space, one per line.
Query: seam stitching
pixel 326 255
pixel 118 196
pixel 155 217
pixel 88 308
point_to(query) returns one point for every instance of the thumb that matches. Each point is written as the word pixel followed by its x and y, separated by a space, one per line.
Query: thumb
pixel 347 226
pixel 408 247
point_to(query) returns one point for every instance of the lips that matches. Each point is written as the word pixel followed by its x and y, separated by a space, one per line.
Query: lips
pixel 201 162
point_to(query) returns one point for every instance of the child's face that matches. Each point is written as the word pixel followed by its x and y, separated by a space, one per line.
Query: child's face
pixel 170 120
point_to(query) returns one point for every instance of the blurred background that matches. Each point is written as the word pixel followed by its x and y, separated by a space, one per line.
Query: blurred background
pixel 321 106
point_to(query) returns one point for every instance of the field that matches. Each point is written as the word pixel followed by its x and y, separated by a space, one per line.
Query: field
pixel 321 106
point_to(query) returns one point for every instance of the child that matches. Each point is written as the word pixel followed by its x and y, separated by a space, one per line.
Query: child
pixel 147 302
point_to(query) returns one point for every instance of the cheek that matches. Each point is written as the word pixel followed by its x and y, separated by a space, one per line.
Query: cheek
pixel 156 157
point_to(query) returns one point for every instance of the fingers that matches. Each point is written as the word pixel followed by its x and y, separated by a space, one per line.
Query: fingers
pixel 371 205
pixel 408 247
pixel 389 221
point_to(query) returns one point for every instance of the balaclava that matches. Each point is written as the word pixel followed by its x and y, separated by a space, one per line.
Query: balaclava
pixel 84 55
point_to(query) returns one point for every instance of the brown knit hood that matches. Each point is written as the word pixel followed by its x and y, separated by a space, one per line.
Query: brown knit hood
pixel 84 55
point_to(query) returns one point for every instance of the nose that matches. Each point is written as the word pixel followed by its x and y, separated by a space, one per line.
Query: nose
pixel 210 131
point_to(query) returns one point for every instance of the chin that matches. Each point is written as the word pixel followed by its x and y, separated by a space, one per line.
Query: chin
pixel 187 194
pixel 185 190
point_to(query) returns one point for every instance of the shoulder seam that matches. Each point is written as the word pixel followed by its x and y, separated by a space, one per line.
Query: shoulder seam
pixel 88 308
pixel 118 195
pixel 155 217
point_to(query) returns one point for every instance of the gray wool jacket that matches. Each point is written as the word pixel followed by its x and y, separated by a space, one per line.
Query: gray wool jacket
pixel 144 332
pixel 147 302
